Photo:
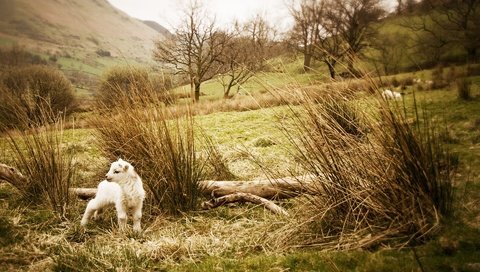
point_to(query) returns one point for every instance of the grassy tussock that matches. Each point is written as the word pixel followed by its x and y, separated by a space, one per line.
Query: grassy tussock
pixel 394 183
pixel 160 144
pixel 40 154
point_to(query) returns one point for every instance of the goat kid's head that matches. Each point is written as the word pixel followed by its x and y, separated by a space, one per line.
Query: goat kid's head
pixel 119 171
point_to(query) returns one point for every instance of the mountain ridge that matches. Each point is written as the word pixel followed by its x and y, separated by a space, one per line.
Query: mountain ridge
pixel 77 27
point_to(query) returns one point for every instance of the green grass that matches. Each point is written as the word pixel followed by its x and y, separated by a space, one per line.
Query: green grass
pixel 243 134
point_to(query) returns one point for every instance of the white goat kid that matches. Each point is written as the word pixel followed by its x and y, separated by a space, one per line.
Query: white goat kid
pixel 123 189
pixel 388 94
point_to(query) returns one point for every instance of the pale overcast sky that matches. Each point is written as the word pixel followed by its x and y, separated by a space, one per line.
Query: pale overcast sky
pixel 168 13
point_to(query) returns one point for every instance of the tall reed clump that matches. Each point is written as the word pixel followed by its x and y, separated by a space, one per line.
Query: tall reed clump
pixel 393 182
pixel 40 154
pixel 161 145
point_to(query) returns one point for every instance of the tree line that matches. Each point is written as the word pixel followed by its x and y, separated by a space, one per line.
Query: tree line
pixel 324 31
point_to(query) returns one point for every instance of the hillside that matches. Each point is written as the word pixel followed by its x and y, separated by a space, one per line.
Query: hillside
pixel 157 27
pixel 76 29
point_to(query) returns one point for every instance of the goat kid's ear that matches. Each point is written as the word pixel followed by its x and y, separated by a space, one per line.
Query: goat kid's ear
pixel 125 168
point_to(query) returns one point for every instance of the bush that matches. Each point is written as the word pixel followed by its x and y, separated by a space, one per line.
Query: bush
pixel 131 85
pixel 17 56
pixel 464 89
pixel 27 93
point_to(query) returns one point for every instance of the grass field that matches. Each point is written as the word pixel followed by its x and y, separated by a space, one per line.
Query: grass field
pixel 243 237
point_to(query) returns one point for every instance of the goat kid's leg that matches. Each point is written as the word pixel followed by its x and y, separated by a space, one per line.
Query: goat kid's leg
pixel 92 207
pixel 96 214
pixel 137 217
pixel 122 216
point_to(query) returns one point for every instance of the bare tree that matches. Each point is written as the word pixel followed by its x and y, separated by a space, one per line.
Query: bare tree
pixel 329 30
pixel 306 29
pixel 330 47
pixel 449 23
pixel 236 65
pixel 245 54
pixel 194 49
pixel 388 52
pixel 354 22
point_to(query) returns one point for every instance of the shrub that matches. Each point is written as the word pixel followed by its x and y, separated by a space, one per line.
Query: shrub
pixel 18 56
pixel 464 89
pixel 27 93
pixel 126 84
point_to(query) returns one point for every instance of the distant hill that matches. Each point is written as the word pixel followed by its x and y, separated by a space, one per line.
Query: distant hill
pixel 78 29
pixel 159 28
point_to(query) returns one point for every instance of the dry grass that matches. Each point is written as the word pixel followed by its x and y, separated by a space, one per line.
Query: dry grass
pixel 167 242
pixel 41 156
pixel 393 184
pixel 160 144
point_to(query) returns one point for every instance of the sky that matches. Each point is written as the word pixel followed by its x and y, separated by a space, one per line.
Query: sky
pixel 168 13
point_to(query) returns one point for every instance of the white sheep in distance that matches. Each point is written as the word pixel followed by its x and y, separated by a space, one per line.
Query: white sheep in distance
pixel 388 94
pixel 123 189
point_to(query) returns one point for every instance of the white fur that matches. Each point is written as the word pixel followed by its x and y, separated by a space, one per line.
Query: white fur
pixel 388 94
pixel 123 189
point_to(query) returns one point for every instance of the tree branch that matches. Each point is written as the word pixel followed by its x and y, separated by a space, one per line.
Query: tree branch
pixel 243 197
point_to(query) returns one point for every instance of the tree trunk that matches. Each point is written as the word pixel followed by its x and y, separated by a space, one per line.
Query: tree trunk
pixel 197 91
pixel 307 60
pixel 271 189
pixel 331 69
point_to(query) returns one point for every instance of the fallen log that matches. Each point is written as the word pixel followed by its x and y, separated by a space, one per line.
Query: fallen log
pixel 12 175
pixel 243 197
pixel 268 188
